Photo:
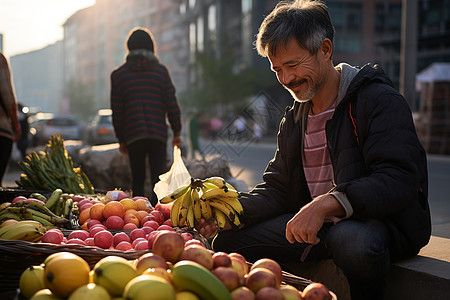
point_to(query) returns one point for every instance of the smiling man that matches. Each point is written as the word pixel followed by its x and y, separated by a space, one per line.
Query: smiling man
pixel 349 177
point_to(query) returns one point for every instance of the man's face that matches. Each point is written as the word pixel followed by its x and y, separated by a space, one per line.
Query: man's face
pixel 297 70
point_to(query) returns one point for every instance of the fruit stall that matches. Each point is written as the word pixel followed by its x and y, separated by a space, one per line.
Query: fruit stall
pixel 62 239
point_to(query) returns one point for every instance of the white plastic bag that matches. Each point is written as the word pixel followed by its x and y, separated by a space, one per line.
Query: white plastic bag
pixel 177 176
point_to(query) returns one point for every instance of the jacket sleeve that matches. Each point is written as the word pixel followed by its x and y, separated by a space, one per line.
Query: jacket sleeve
pixel 171 102
pixel 117 107
pixel 268 199
pixel 392 154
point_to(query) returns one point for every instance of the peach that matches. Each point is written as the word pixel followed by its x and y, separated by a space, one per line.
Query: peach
pixel 194 242
pixel 96 212
pixel 152 224
pixel 165 209
pixel 141 214
pixel 221 259
pixel 165 227
pixel 76 241
pixel 316 290
pixel 124 246
pixel 259 278
pixel 143 204
pixel 82 202
pixel 198 254
pixel 168 222
pixel 53 236
pixel 120 237
pixel 187 236
pixel 228 276
pixel 80 234
pixel 136 241
pixel 150 260
pixel 142 245
pixel 101 225
pixel 89 241
pixel 104 239
pixel 84 216
pixel 85 206
pixel 270 293
pixel 95 230
pixel 131 211
pixel 129 226
pixel 243 293
pixel 271 265
pixel 84 226
pixel 130 218
pixel 158 215
pixel 92 222
pixel 128 203
pixel 114 222
pixel 147 229
pixel 149 218
pixel 168 244
pixel 137 233
pixel 113 208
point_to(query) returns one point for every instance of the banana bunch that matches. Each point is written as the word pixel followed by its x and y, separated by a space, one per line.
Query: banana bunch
pixel 29 230
pixel 61 204
pixel 211 198
pixel 52 169
pixel 31 210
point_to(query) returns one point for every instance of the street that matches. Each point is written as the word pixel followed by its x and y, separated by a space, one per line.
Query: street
pixel 248 161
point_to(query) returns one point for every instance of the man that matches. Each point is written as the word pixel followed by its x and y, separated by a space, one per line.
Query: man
pixel 349 177
pixel 142 96
pixel 10 129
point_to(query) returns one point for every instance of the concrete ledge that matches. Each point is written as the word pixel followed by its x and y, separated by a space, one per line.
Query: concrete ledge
pixel 426 276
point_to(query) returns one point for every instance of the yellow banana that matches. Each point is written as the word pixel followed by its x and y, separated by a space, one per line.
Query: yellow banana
pixel 196 205
pixel 185 204
pixel 31 232
pixel 180 191
pixel 227 210
pixel 205 209
pixel 190 220
pixel 206 186
pixel 220 217
pixel 216 180
pixel 175 211
pixel 213 193
pixel 234 202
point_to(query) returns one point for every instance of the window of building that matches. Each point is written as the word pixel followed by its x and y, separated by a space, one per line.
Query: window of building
pixel 200 35
pixel 346 18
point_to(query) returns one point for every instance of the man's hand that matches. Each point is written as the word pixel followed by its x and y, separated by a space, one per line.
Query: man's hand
pixel 207 228
pixel 303 227
pixel 123 148
pixel 177 141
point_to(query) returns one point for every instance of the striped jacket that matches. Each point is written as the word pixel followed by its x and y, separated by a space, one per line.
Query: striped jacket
pixel 9 122
pixel 142 96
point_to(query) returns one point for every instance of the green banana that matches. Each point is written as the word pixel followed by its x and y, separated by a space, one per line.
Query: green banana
pixel 191 276
pixel 53 199
pixel 38 196
pixel 67 207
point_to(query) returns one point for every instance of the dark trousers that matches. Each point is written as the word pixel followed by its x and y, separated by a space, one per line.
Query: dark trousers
pixel 5 153
pixel 138 153
pixel 359 248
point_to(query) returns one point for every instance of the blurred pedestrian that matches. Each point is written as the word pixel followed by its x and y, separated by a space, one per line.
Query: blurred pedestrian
pixel 216 126
pixel 193 132
pixel 142 97
pixel 239 126
pixel 9 122
pixel 257 131
pixel 22 143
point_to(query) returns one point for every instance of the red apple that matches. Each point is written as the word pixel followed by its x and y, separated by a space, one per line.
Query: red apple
pixel 221 259
pixel 271 265
pixel 228 276
pixel 198 254
pixel 120 237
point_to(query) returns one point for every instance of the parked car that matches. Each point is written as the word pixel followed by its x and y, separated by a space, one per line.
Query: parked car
pixel 44 125
pixel 101 130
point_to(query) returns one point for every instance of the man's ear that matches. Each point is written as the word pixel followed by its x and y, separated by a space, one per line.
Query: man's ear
pixel 326 49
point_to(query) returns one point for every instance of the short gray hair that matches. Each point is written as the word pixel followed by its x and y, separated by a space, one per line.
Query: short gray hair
pixel 305 20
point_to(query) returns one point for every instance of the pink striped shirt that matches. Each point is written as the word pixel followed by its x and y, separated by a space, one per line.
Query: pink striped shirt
pixel 316 157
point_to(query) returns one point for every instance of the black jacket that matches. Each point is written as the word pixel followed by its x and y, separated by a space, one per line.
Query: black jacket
pixel 377 159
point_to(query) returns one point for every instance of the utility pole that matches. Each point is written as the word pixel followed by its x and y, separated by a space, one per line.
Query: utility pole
pixel 408 52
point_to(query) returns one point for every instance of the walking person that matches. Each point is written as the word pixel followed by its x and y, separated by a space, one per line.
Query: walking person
pixel 348 180
pixel 10 130
pixel 142 98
